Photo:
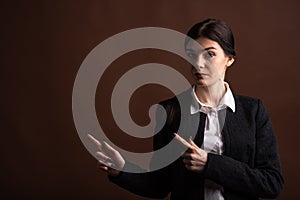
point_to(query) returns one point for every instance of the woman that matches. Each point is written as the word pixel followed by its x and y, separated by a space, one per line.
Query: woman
pixel 235 158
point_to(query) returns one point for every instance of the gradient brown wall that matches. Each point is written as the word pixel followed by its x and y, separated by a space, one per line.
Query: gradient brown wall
pixel 43 44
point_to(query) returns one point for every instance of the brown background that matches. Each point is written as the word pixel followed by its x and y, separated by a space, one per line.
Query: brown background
pixel 43 44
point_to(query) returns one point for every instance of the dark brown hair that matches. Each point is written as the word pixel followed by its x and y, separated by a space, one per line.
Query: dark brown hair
pixel 215 30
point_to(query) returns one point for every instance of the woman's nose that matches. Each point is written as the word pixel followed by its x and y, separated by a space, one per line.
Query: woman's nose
pixel 199 62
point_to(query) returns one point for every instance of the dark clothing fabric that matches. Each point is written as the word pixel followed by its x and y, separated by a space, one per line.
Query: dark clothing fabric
pixel 248 169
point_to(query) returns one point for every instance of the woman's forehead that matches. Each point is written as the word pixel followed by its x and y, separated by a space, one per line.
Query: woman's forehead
pixel 201 43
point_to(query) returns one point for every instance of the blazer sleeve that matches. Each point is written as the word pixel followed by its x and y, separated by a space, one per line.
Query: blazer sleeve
pixel 265 179
pixel 153 184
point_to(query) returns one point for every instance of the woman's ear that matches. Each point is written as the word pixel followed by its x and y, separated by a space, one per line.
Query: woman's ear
pixel 230 61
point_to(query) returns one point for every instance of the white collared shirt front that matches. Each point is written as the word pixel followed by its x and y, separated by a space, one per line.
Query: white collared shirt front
pixel 213 140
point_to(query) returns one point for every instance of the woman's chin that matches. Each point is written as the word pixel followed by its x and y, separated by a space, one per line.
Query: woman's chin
pixel 200 83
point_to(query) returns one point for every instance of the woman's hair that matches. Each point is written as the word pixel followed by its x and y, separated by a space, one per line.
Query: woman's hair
pixel 215 30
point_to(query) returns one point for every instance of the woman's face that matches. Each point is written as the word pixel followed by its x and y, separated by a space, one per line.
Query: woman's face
pixel 209 61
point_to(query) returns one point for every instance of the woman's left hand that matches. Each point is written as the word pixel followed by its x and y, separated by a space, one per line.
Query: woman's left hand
pixel 194 158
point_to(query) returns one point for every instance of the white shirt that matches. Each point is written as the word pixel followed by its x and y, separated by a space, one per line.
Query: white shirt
pixel 213 141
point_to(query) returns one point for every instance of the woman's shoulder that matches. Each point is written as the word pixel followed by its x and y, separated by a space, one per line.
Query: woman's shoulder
pixel 181 98
pixel 245 99
pixel 248 103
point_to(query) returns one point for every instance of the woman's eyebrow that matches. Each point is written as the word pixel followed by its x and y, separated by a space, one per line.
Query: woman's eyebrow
pixel 204 49
pixel 208 48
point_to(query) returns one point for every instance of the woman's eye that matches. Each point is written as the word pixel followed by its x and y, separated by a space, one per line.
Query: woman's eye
pixel 206 55
pixel 210 54
pixel 192 55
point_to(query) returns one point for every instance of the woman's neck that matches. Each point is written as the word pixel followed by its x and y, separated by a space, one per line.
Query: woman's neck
pixel 211 95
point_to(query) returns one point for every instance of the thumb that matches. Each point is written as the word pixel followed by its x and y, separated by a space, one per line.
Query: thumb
pixel 198 149
pixel 109 149
pixel 193 144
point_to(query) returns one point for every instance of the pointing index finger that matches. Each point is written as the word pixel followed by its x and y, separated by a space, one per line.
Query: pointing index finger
pixel 182 141
pixel 94 140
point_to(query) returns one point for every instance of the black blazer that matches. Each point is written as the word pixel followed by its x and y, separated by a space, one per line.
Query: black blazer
pixel 249 168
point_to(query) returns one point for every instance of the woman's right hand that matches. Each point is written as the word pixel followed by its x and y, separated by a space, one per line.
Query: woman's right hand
pixel 110 160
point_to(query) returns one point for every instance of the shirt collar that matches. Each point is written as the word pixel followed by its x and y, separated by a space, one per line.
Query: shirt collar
pixel 226 101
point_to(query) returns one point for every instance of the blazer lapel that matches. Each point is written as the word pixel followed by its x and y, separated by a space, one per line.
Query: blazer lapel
pixel 225 122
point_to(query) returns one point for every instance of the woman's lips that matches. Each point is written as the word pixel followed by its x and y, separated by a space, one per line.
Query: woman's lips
pixel 200 74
